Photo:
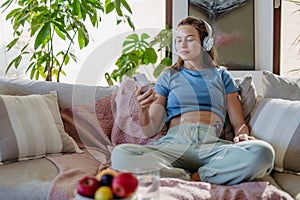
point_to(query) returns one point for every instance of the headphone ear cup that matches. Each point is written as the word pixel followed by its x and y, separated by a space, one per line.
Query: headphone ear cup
pixel 208 43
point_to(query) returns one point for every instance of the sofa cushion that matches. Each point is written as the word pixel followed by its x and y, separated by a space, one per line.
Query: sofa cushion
pixel 248 100
pixel 31 127
pixel 277 121
pixel 289 183
pixel 274 86
pixel 69 95
pixel 126 128
pixel 87 124
pixel 30 179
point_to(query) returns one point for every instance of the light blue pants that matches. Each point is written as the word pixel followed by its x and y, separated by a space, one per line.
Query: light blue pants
pixel 189 148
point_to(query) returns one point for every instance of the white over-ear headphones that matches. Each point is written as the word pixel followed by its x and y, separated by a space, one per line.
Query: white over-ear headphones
pixel 208 41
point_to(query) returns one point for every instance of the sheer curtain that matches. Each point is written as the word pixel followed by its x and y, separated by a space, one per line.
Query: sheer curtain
pixel 6 35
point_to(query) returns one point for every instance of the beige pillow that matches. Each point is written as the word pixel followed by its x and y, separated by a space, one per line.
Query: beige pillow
pixel 248 100
pixel 274 86
pixel 277 121
pixel 31 127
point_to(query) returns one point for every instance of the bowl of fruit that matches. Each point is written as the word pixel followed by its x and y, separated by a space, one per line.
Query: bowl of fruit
pixel 107 184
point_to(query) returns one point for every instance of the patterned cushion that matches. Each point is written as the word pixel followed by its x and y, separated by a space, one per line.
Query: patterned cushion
pixel 88 124
pixel 31 127
pixel 126 128
pixel 277 121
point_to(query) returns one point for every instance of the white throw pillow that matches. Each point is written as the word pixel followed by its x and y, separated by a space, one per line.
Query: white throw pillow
pixel 277 121
pixel 31 127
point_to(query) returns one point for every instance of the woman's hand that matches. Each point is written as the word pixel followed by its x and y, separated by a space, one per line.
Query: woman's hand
pixel 243 137
pixel 147 98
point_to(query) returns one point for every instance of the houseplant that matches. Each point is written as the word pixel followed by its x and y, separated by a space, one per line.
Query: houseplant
pixel 49 20
pixel 138 51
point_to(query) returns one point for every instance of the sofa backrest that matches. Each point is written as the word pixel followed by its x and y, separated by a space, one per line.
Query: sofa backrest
pixel 68 94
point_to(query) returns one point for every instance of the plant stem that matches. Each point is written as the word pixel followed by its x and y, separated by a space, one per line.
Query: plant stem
pixel 65 55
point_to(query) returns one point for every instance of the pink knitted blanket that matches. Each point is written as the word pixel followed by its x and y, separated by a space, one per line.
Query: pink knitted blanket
pixel 73 167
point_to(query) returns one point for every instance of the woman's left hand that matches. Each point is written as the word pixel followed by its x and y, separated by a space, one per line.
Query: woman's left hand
pixel 243 137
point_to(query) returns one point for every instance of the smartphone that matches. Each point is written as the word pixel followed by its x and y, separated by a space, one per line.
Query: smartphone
pixel 141 80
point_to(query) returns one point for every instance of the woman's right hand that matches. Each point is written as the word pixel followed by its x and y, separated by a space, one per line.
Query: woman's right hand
pixel 147 98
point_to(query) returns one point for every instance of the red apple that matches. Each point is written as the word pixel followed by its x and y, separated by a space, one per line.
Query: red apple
pixel 87 186
pixel 124 184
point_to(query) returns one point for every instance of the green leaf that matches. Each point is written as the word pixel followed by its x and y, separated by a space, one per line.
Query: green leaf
pixel 7 4
pixel 67 59
pixel 23 49
pixel 85 9
pixel 133 36
pixel 18 59
pixel 63 72
pixel 128 48
pixel 108 79
pixel 150 55
pixel 59 33
pixel 32 73
pixel 37 74
pixel 118 7
pixel 81 38
pixel 10 65
pixel 166 62
pixel 12 43
pixel 126 5
pixel 144 36
pixel 130 22
pixel 119 21
pixel 42 35
pixel 94 19
pixel 76 7
pixel 31 65
pixel 12 13
pixel 109 7
pixel 73 56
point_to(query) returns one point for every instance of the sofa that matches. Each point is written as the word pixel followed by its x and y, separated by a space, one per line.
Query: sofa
pixel 52 134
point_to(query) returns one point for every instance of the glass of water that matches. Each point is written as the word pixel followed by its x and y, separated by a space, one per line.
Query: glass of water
pixel 149 184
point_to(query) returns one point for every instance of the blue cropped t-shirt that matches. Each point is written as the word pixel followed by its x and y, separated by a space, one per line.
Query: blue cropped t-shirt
pixel 191 90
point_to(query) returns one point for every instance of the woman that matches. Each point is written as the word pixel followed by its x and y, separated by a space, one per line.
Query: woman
pixel 193 96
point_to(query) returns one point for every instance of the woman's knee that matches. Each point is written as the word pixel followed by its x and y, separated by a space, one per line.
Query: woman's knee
pixel 264 152
pixel 123 156
pixel 261 157
pixel 126 150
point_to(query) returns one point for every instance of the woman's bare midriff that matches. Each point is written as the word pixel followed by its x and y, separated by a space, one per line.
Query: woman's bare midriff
pixel 203 117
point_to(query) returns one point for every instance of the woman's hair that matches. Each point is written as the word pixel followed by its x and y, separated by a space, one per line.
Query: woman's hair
pixel 208 57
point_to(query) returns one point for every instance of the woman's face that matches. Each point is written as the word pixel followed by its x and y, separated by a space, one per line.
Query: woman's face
pixel 188 43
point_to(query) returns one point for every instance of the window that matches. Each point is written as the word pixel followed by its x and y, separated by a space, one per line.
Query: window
pixel 290 38
pixel 148 15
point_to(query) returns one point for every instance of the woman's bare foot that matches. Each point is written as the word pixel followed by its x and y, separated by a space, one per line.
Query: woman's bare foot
pixel 195 177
